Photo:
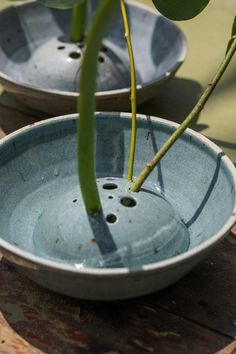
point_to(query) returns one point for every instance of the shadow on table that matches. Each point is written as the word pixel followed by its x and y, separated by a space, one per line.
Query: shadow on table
pixel 11 101
pixel 15 115
pixel 224 144
pixel 58 324
pixel 174 101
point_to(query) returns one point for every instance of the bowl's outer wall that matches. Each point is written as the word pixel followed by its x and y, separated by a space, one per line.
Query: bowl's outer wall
pixel 110 287
pixel 158 45
pixel 195 178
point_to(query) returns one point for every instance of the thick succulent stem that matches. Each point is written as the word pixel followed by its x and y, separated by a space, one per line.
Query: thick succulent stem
pixel 86 105
pixel 78 22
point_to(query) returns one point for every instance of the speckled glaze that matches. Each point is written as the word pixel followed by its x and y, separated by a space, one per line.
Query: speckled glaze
pixel 38 169
pixel 36 61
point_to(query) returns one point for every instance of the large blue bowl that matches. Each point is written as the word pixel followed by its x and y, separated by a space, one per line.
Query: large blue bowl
pixel 40 201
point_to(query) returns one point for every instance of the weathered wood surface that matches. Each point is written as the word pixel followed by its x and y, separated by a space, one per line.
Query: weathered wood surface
pixel 34 319
pixel 197 314
pixel 207 296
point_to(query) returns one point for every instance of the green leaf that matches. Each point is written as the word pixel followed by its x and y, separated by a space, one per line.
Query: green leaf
pixel 179 10
pixel 233 33
pixel 60 4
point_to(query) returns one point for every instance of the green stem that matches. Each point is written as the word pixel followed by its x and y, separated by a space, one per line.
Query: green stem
pixel 78 22
pixel 133 91
pixel 186 123
pixel 86 105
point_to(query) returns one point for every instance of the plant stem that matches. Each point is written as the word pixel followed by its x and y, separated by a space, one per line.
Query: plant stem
pixel 186 123
pixel 86 105
pixel 133 91
pixel 78 22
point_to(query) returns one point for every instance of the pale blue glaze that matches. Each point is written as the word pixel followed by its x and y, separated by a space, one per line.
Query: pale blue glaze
pixel 187 205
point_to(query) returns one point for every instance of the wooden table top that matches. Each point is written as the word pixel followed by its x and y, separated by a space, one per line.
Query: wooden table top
pixel 197 314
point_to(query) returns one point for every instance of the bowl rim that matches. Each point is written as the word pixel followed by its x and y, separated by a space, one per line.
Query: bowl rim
pixel 34 91
pixel 109 272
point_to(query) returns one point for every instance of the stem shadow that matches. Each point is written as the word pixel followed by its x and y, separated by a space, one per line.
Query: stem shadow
pixel 8 45
pixel 104 239
pixel 110 148
pixel 208 192
pixel 155 150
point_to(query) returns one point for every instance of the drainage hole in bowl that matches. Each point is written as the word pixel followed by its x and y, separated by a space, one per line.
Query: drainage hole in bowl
pixel 111 218
pixel 109 186
pixel 110 197
pixel 104 49
pixel 75 55
pixel 101 59
pixel 128 202
pixel 74 201
pixel 61 47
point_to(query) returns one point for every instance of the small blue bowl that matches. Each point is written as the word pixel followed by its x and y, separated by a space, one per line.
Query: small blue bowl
pixel 142 241
pixel 41 67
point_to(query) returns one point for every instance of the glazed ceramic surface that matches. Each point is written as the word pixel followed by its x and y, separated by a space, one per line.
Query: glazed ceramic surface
pixel 142 241
pixel 40 65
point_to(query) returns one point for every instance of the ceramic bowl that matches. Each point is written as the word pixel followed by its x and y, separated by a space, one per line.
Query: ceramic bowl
pixel 184 209
pixel 40 66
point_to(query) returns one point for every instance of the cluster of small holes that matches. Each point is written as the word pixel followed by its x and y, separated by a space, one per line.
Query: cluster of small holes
pixel 77 55
pixel 126 201
pixel 110 218
pixel 72 55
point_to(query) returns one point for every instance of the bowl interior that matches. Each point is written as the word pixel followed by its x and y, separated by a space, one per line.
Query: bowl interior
pixel 36 50
pixel 193 177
